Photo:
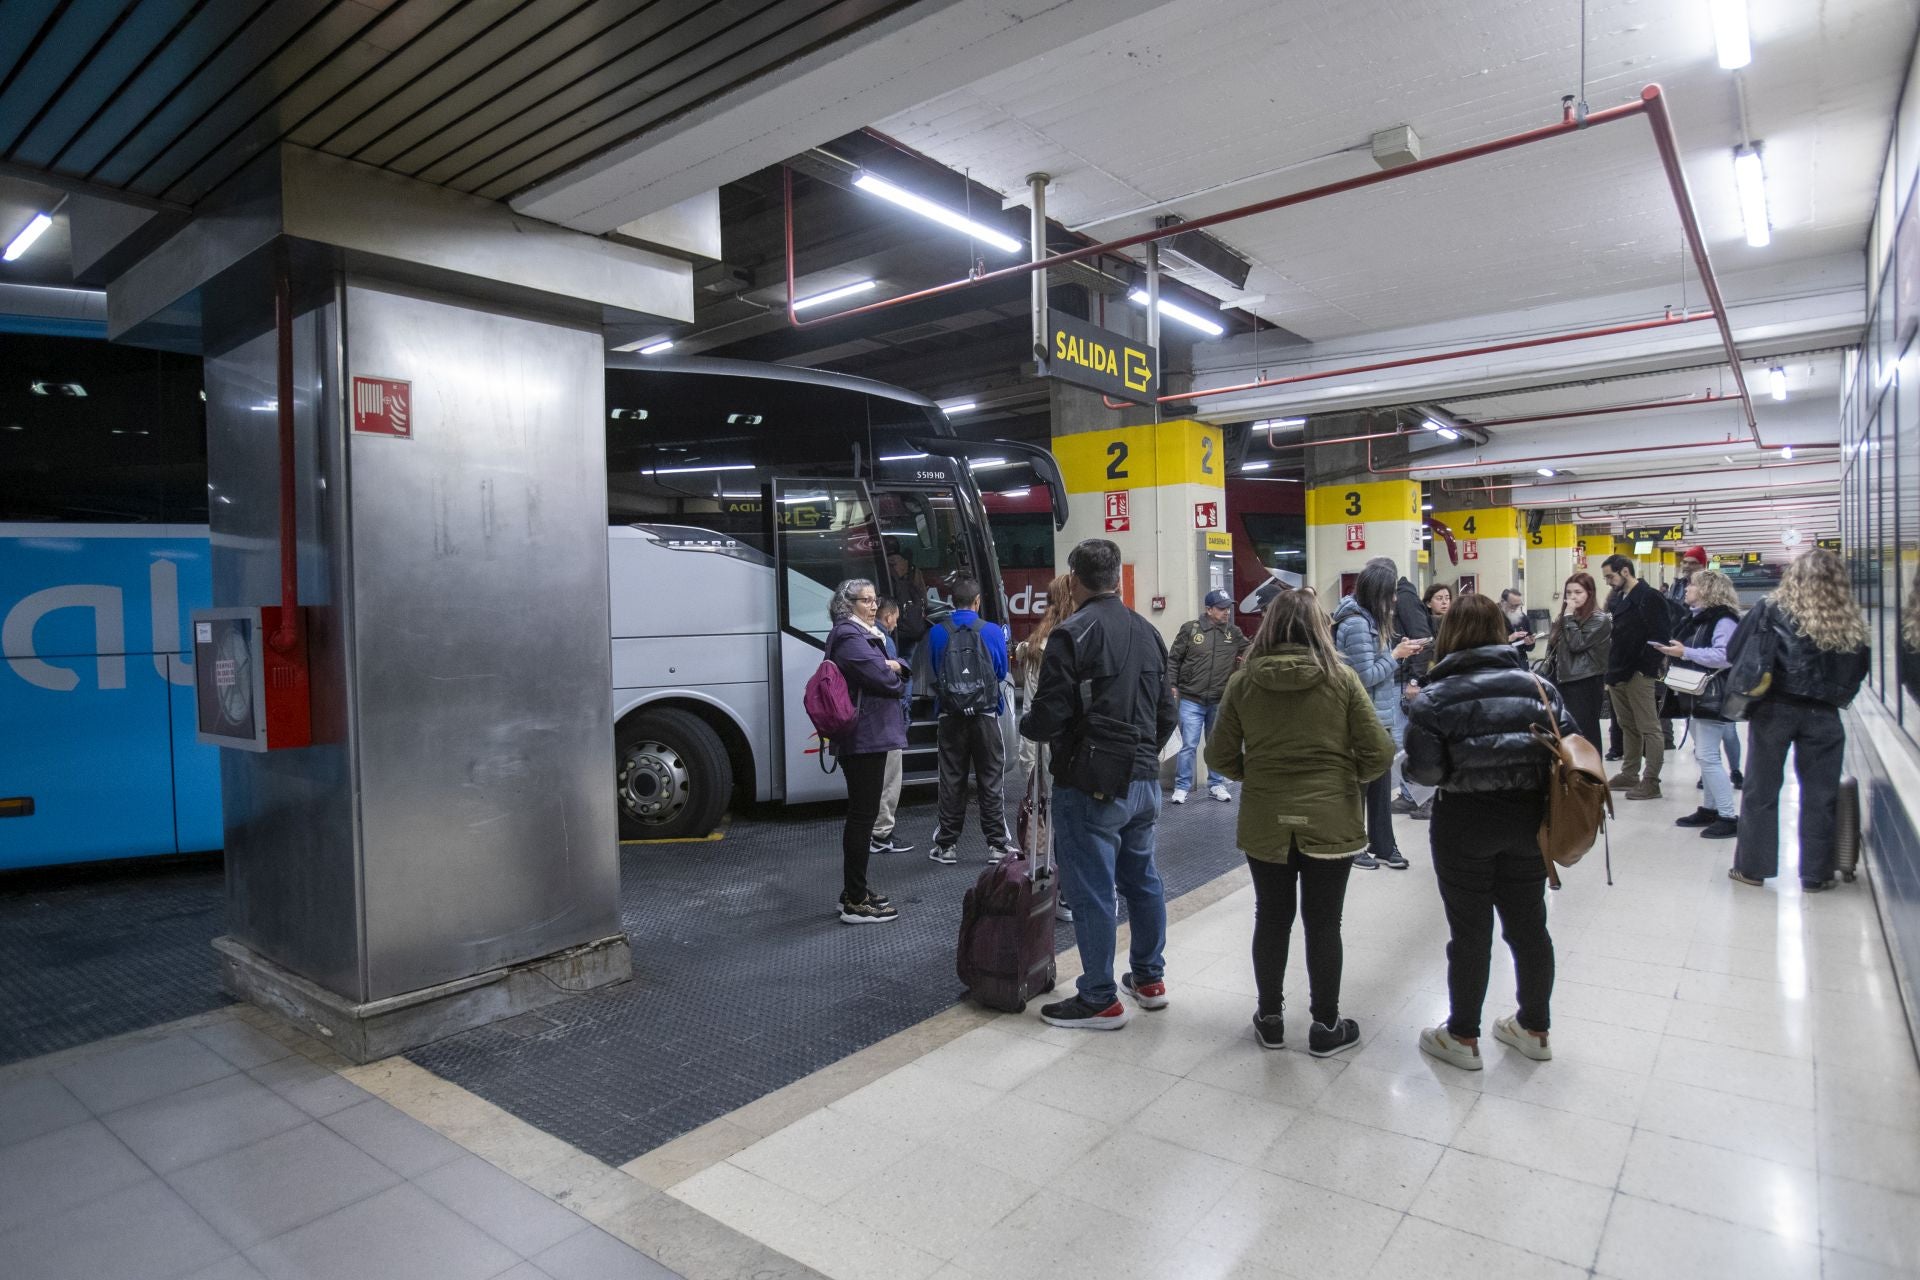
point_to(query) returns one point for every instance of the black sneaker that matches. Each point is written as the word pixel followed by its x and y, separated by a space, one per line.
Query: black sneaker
pixel 1078 1014
pixel 870 911
pixel 1721 829
pixel 1700 785
pixel 1402 804
pixel 896 845
pixel 1365 862
pixel 1423 813
pixel 1739 780
pixel 943 854
pixel 877 847
pixel 1270 1031
pixel 1324 1041
pixel 1815 886
pixel 1615 755
pixel 1698 818
pixel 1396 860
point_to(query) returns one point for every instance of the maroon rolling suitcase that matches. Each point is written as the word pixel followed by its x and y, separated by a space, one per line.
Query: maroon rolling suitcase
pixel 1005 956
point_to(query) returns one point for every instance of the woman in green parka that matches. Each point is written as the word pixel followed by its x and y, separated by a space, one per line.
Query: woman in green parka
pixel 1300 730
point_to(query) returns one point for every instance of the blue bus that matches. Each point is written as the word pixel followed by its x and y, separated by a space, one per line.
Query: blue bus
pixel 103 557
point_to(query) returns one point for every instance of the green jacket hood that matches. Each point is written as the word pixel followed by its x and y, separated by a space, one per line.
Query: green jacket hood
pixel 1288 669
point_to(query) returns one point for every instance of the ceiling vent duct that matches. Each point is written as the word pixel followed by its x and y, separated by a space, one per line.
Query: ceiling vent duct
pixel 1208 253
pixel 1395 147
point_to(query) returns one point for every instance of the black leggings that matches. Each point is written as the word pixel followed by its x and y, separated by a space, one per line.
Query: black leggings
pixel 1582 697
pixel 1322 892
pixel 1486 854
pixel 866 780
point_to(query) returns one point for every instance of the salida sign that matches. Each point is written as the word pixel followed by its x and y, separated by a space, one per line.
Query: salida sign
pixel 1089 356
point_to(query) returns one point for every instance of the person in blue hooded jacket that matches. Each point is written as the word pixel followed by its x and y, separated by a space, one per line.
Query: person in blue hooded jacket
pixel 1362 625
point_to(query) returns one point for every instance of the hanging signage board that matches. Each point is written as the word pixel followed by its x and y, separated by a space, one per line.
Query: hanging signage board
pixel 1119 512
pixel 1827 544
pixel 1656 533
pixel 1101 360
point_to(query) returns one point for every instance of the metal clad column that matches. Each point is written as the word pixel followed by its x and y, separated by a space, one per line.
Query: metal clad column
pixel 1550 555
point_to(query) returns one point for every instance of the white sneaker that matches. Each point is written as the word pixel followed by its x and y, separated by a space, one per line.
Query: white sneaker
pixel 1219 791
pixel 1438 1043
pixel 1179 795
pixel 1508 1031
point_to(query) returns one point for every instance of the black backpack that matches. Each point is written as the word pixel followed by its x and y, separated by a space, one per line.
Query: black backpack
pixel 966 684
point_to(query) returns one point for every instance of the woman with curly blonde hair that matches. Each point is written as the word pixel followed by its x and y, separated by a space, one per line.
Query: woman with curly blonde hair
pixel 1818 642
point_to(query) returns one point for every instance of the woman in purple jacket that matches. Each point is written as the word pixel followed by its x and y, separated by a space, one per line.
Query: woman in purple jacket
pixel 856 646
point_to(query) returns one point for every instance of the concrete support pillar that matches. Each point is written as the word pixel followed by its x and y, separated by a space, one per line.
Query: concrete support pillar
pixel 1350 523
pixel 1158 490
pixel 443 853
pixel 1550 561
pixel 1589 552
pixel 1486 549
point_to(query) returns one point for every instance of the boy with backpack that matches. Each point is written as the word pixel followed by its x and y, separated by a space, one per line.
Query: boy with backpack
pixel 968 656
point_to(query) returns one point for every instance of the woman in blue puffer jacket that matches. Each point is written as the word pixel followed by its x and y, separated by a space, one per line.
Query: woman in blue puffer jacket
pixel 1361 630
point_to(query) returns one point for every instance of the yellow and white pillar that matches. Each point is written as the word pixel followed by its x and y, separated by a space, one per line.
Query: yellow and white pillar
pixel 1550 553
pixel 1486 549
pixel 1158 490
pixel 1350 524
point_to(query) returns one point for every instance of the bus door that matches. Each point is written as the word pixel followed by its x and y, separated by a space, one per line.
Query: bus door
pixel 825 532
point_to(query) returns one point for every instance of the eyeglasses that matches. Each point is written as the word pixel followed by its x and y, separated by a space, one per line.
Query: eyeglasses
pixel 866 599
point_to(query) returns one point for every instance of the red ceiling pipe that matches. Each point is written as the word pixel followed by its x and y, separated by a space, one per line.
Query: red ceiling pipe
pixel 1567 124
pixel 286 635
pixel 1663 138
pixel 1641 407
pixel 1402 362
pixel 1721 443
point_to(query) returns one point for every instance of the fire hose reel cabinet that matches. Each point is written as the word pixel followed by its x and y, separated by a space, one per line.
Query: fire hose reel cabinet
pixel 249 695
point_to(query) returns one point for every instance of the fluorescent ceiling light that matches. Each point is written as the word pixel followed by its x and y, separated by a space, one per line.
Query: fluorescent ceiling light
pixel 946 217
pixel 1426 506
pixel 1751 179
pixel 901 457
pixel 832 295
pixel 1548 472
pixel 1431 425
pixel 1730 37
pixel 656 348
pixel 1278 424
pixel 1255 466
pixel 1786 451
pixel 964 406
pixel 1175 311
pixel 1447 433
pixel 1777 382
pixel 686 471
pixel 28 234
pixel 988 464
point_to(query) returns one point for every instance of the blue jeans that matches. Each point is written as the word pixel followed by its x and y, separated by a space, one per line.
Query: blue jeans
pixel 1710 738
pixel 1400 784
pixel 1102 845
pixel 1195 719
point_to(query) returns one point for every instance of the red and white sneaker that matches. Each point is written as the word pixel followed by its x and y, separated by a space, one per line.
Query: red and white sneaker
pixel 1151 994
pixel 1081 1016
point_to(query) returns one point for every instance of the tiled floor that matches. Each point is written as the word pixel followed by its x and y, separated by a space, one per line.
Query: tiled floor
pixel 1734 1093
pixel 216 1152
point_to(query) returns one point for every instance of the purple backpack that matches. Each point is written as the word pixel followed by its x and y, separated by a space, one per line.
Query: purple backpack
pixel 829 705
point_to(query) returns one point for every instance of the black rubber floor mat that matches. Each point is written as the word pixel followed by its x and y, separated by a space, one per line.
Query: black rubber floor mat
pixel 94 952
pixel 744 980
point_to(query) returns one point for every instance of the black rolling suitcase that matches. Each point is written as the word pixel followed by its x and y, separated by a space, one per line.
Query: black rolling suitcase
pixel 1005 956
pixel 1846 830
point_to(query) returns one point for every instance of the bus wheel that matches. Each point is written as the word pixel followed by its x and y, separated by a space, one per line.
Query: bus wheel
pixel 672 774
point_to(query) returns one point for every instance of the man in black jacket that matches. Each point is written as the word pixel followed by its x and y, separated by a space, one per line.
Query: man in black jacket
pixel 1103 680
pixel 1633 671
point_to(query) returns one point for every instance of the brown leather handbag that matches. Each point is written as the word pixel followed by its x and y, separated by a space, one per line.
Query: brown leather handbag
pixel 1578 801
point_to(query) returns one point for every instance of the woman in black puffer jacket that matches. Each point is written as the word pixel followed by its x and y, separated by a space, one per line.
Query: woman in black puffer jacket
pixel 1471 735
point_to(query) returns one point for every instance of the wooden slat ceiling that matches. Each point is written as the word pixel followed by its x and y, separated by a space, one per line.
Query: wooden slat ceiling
pixel 169 98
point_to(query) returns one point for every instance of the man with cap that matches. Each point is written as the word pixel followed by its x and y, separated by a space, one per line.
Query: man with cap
pixel 1201 658
pixel 1692 561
